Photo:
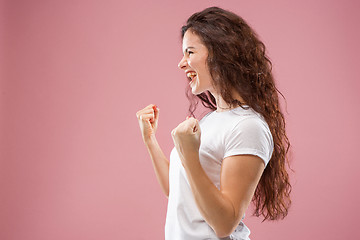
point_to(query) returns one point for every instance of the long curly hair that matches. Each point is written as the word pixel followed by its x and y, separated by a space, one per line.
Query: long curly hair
pixel 237 61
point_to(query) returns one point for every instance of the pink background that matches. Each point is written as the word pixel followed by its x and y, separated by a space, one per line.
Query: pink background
pixel 74 73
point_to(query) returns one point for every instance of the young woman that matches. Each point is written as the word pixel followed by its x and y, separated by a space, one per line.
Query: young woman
pixel 237 152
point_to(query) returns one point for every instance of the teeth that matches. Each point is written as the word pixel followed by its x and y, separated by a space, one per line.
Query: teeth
pixel 191 74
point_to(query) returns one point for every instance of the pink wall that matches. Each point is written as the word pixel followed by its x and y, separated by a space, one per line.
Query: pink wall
pixel 73 165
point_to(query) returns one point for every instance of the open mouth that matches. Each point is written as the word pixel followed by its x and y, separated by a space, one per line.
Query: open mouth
pixel 191 76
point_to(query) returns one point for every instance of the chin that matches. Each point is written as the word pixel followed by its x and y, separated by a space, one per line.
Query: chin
pixel 196 91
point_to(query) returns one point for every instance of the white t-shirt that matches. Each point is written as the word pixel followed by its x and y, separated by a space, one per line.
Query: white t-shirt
pixel 223 134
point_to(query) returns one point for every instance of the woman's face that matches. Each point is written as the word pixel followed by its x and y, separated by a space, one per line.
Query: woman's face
pixel 194 63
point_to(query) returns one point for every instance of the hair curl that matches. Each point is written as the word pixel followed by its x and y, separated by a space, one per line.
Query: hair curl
pixel 237 61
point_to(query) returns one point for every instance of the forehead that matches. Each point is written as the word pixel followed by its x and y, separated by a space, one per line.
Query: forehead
pixel 191 40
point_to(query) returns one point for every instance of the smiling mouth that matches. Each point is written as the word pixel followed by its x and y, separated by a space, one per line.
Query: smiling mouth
pixel 191 76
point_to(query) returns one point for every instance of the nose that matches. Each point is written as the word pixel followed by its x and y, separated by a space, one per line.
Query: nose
pixel 183 63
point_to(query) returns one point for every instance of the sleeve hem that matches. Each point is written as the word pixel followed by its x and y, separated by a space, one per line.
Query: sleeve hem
pixel 247 152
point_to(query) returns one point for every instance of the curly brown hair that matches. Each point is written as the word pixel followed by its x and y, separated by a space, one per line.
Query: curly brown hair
pixel 237 60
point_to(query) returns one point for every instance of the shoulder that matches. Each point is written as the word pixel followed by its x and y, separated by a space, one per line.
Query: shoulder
pixel 250 123
pixel 252 127
pixel 250 134
pixel 247 119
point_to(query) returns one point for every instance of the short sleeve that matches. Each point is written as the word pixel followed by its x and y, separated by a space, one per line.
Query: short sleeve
pixel 250 136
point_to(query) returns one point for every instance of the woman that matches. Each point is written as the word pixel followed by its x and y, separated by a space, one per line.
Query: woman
pixel 237 152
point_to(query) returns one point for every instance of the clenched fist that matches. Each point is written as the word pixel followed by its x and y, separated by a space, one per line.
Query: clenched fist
pixel 148 121
pixel 186 137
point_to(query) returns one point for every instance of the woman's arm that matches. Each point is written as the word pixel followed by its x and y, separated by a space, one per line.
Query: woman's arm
pixel 148 121
pixel 160 163
pixel 223 209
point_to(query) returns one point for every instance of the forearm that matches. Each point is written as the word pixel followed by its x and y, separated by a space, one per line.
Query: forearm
pixel 215 207
pixel 160 163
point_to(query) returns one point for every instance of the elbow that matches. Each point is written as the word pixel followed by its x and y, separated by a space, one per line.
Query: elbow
pixel 166 192
pixel 225 231
pixel 222 234
pixel 226 228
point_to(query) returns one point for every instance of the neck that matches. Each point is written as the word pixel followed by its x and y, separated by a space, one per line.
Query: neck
pixel 221 105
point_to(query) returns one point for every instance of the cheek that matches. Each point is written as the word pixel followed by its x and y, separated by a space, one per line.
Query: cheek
pixel 190 63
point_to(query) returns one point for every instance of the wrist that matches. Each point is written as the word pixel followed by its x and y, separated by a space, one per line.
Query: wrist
pixel 149 140
pixel 192 163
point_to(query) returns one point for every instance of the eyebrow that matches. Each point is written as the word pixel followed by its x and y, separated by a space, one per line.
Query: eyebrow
pixel 187 49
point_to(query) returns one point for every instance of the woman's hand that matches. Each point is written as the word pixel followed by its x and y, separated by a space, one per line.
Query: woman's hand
pixel 148 121
pixel 186 137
